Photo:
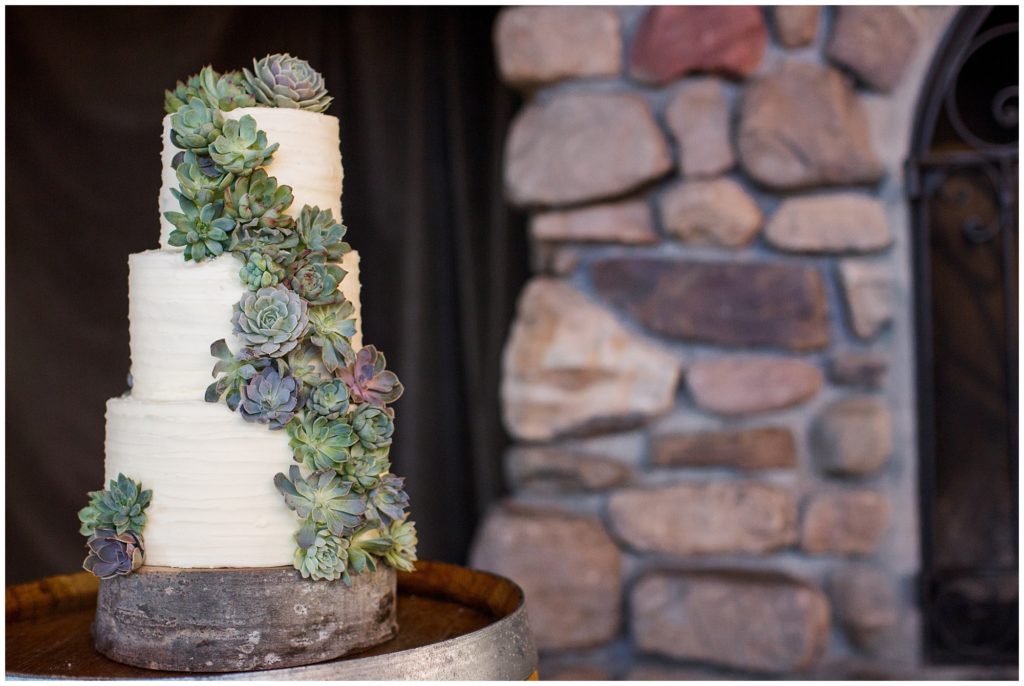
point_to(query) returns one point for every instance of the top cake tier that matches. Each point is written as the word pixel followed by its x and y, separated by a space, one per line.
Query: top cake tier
pixel 308 160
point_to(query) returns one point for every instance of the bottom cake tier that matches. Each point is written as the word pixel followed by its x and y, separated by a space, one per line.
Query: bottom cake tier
pixel 212 476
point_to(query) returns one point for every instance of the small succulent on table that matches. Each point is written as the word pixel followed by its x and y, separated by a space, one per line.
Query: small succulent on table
pixel 368 381
pixel 225 91
pixel 202 230
pixel 121 507
pixel 320 443
pixel 322 498
pixel 320 555
pixel 269 398
pixel 373 425
pixel 258 200
pixel 183 91
pixel 402 554
pixel 234 372
pixel 241 147
pixel 316 279
pixel 329 399
pixel 199 180
pixel 272 320
pixel 319 232
pixel 285 81
pixel 112 554
pixel 260 271
pixel 331 329
pixel 195 126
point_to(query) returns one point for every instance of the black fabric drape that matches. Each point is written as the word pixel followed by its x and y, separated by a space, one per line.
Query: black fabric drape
pixel 422 123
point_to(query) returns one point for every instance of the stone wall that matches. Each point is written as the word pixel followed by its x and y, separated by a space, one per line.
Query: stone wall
pixel 709 378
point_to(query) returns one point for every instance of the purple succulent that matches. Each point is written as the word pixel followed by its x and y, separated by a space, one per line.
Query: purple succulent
pixel 368 381
pixel 112 554
pixel 270 398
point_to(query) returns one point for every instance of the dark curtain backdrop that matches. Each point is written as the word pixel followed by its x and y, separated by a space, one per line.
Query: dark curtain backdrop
pixel 422 124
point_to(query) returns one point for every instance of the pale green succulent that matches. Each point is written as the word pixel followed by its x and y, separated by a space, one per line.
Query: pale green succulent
pixel 121 506
pixel 364 547
pixel 374 426
pixel 319 232
pixel 241 147
pixel 331 329
pixel 224 91
pixel 364 468
pixel 320 556
pixel 323 498
pixel 285 81
pixel 329 399
pixel 272 320
pixel 203 231
pixel 320 443
pixel 258 200
pixel 182 92
pixel 402 554
pixel 234 371
pixel 200 180
pixel 305 364
pixel 195 126
pixel 259 271
pixel 316 279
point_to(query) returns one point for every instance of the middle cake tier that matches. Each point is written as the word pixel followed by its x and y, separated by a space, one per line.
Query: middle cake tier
pixel 176 309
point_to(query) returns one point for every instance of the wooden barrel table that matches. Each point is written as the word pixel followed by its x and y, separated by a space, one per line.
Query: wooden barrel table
pixel 453 624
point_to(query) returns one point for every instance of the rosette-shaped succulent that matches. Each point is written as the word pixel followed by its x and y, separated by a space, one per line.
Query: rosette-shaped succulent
pixel 368 381
pixel 306 365
pixel 286 81
pixel 320 443
pixel 121 506
pixel 322 498
pixel 387 501
pixel 331 329
pixel 363 468
pixel 177 98
pixel 403 545
pixel 364 547
pixel 258 200
pixel 203 231
pixel 329 399
pixel 225 91
pixel 196 182
pixel 269 398
pixel 259 271
pixel 234 371
pixel 241 147
pixel 112 554
pixel 320 555
pixel 374 426
pixel 271 321
pixel 319 232
pixel 316 279
pixel 195 126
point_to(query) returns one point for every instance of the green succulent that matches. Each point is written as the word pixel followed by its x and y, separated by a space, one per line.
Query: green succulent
pixel 305 365
pixel 258 201
pixel 178 98
pixel 320 443
pixel 367 379
pixel 373 425
pixel 121 506
pixel 316 279
pixel 364 547
pixel 322 498
pixel 329 399
pixel 387 500
pixel 331 329
pixel 241 148
pixel 259 271
pixel 319 232
pixel 320 555
pixel 196 182
pixel 235 372
pixel 285 81
pixel 364 468
pixel 224 91
pixel 204 231
pixel 402 554
pixel 195 126
pixel 272 320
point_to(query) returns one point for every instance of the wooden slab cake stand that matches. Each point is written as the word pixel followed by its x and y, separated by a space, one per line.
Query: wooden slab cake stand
pixel 453 624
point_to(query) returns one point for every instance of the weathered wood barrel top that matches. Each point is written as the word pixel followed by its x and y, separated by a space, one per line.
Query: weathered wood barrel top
pixel 454 624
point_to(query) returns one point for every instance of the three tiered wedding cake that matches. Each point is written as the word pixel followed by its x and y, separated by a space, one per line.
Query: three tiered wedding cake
pixel 281 461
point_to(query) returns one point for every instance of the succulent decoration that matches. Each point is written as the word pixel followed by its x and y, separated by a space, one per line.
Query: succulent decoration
pixel 113 521
pixel 296 368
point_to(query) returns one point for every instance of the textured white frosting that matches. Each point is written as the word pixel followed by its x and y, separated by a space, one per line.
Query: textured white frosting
pixel 212 475
pixel 176 309
pixel 308 159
